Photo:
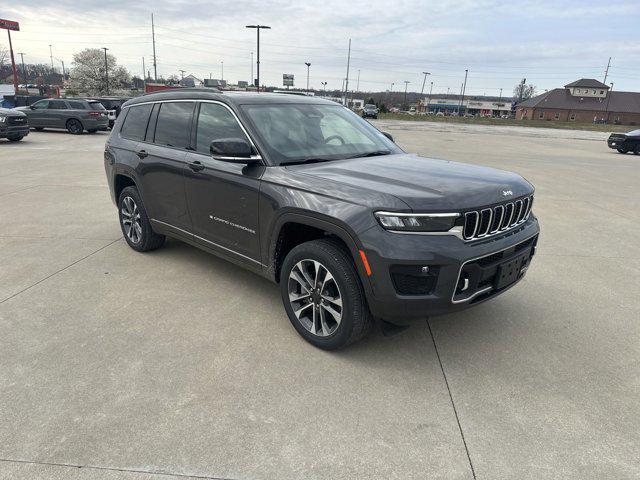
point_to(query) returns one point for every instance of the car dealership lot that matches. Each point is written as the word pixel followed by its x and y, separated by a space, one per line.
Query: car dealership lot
pixel 175 362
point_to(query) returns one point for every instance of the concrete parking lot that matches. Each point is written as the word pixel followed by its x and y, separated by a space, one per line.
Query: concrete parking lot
pixel 174 363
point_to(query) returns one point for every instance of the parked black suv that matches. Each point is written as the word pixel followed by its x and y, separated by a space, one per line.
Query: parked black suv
pixel 625 142
pixel 304 192
pixel 14 125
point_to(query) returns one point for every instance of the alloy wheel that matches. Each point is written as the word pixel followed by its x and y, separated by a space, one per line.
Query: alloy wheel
pixel 315 297
pixel 130 216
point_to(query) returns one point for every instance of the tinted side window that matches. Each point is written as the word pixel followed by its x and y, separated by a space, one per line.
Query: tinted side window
pixel 173 127
pixel 135 125
pixel 42 104
pixel 76 105
pixel 57 105
pixel 215 122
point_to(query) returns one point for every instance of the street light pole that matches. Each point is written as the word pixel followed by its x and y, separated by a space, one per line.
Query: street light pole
pixel 251 80
pixel 308 67
pixel 106 70
pixel 258 28
pixel 222 67
pixel 424 81
pixel 51 55
pixel 324 86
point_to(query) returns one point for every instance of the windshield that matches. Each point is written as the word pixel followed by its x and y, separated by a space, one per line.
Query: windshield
pixel 296 133
pixel 369 106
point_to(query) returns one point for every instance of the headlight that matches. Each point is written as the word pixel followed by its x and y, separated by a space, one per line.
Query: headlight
pixel 417 222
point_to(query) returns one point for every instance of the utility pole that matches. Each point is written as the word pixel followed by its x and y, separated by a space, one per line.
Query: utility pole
pixel 464 88
pixel 24 72
pixel 346 83
pixel 153 40
pixel 64 72
pixel 606 73
pixel 429 97
pixel 258 28
pixel 424 81
pixel 406 84
pixel 13 64
pixel 222 67
pixel 144 75
pixel 500 99
pixel 358 82
pixel 308 67
pixel 324 86
pixel 106 70
pixel 51 55
pixel 182 72
pixel 608 99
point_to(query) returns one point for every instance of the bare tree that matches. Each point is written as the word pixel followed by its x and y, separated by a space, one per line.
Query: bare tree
pixel 4 56
pixel 522 91
pixel 88 72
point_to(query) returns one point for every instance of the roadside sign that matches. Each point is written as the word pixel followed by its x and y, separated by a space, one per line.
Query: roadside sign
pixel 287 80
pixel 9 25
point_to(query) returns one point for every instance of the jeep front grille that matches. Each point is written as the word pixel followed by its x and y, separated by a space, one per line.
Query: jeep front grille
pixel 494 220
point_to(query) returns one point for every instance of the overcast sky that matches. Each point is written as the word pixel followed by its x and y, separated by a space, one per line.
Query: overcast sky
pixel 551 43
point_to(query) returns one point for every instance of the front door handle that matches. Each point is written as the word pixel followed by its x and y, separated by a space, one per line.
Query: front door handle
pixel 142 154
pixel 196 166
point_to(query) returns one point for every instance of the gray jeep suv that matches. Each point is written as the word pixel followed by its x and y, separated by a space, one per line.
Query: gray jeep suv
pixel 304 192
pixel 73 114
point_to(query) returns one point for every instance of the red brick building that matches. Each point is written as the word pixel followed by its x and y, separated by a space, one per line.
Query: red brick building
pixel 584 101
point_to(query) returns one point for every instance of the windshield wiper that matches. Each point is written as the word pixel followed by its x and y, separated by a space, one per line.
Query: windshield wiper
pixel 375 153
pixel 308 160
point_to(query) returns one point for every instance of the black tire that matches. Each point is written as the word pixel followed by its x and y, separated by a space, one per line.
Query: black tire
pixel 39 129
pixel 356 321
pixel 74 126
pixel 622 150
pixel 93 130
pixel 15 139
pixel 147 239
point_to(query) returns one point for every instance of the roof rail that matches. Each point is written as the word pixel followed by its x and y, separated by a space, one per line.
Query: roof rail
pixel 187 89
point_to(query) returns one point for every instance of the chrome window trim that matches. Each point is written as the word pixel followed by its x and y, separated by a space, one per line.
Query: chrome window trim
pixel 195 100
pixel 484 290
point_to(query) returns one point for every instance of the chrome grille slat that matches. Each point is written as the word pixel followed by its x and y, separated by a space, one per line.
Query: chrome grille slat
pixel 498 219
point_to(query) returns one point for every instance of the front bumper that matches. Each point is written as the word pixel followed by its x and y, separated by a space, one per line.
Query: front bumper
pixel 13 130
pixel 400 291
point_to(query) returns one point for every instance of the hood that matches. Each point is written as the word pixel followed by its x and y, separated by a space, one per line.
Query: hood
pixel 424 184
pixel 11 111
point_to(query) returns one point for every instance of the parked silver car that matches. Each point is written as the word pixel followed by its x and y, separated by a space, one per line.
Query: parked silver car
pixel 73 114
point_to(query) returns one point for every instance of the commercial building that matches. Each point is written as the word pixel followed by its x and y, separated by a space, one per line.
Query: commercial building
pixel 584 101
pixel 484 107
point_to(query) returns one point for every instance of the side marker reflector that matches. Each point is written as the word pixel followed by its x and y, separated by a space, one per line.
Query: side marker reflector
pixel 365 262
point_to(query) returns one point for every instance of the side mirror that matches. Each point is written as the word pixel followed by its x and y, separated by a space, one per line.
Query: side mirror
pixel 32 107
pixel 235 150
pixel 388 135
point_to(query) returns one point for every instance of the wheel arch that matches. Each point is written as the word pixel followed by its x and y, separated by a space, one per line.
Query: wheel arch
pixel 292 229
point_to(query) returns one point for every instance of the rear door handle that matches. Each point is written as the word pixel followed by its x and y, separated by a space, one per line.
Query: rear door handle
pixel 142 154
pixel 196 166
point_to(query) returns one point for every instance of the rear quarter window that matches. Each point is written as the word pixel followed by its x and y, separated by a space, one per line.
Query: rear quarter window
pixel 96 106
pixel 75 105
pixel 135 123
pixel 173 127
